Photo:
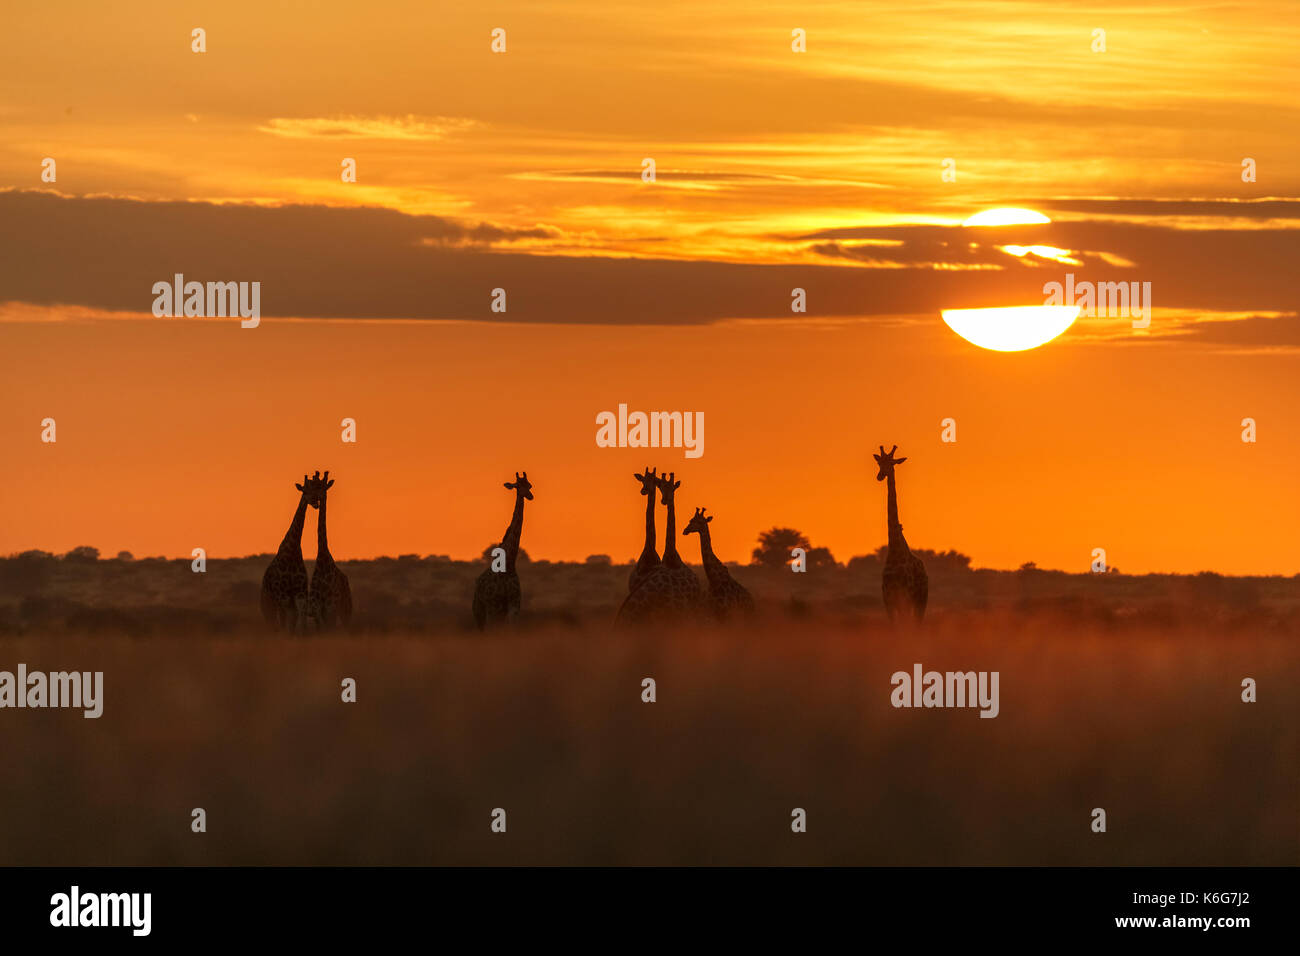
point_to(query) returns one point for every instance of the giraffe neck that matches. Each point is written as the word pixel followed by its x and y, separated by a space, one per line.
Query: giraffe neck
pixel 649 548
pixel 896 539
pixel 511 540
pixel 671 557
pixel 292 543
pixel 712 565
pixel 322 548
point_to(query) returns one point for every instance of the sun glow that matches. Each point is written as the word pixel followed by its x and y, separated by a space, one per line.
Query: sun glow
pixel 1006 216
pixel 1011 329
pixel 1054 253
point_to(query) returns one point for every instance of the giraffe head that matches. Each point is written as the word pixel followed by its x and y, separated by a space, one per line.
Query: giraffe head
pixel 313 488
pixel 521 486
pixel 886 462
pixel 325 484
pixel 699 522
pixel 649 480
pixel 667 486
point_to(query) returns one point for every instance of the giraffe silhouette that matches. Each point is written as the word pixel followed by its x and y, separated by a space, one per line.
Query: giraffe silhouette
pixel 671 591
pixel 905 586
pixel 649 559
pixel 284 585
pixel 496 593
pixel 330 597
pixel 727 596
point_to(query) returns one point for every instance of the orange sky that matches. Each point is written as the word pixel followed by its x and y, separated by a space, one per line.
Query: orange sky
pixel 775 169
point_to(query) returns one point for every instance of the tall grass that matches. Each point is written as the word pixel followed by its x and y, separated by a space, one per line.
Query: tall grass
pixel 1138 715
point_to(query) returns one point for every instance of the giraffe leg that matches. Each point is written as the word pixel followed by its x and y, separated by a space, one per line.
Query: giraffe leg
pixel 270 608
pixel 284 615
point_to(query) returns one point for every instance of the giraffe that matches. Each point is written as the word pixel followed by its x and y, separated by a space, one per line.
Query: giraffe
pixel 904 583
pixel 496 593
pixel 671 590
pixel 649 559
pixel 726 595
pixel 284 585
pixel 330 597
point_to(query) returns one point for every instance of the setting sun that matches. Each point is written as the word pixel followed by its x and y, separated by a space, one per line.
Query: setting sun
pixel 1006 216
pixel 1012 329
pixel 517 435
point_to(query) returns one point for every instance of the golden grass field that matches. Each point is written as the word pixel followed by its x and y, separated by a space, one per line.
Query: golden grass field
pixel 1126 698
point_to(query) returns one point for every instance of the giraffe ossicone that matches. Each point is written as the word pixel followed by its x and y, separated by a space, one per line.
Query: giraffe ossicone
pixel 649 559
pixel 330 596
pixel 904 583
pixel 670 592
pixel 727 596
pixel 497 595
pixel 284 583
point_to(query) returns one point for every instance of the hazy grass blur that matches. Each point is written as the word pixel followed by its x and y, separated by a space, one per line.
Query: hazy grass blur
pixel 1116 692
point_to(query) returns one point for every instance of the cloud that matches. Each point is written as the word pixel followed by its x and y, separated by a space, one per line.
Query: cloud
pixel 1228 208
pixel 688 178
pixel 1215 269
pixel 451 232
pixel 366 127
pixel 1251 332
pixel 370 263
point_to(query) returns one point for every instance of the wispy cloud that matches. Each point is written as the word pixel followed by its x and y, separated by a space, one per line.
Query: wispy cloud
pixel 691 179
pixel 407 127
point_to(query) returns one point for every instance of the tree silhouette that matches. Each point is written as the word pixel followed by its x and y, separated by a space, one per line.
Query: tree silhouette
pixel 521 558
pixel 775 544
pixel 942 562
pixel 820 558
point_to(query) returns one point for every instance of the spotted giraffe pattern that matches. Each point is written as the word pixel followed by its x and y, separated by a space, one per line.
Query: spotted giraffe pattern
pixel 284 584
pixel 497 595
pixel 665 595
pixel 904 583
pixel 330 596
pixel 727 596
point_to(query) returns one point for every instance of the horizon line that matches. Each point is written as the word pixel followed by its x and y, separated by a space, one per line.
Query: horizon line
pixel 529 559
